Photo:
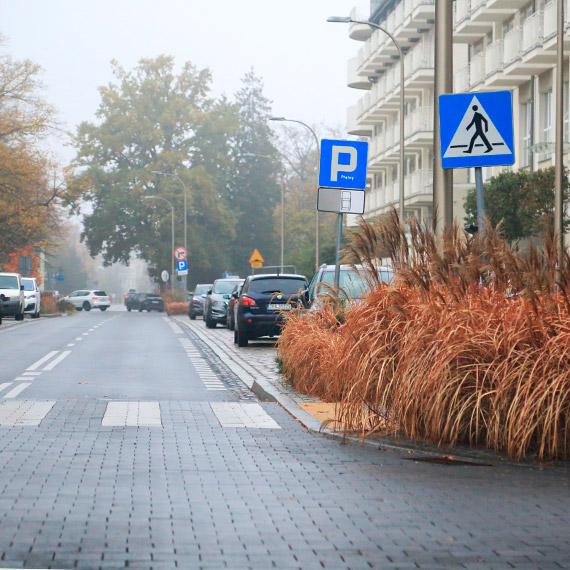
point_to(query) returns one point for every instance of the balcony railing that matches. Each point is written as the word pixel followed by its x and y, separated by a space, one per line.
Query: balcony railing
pixel 462 11
pixel 477 69
pixel 512 46
pixel 420 57
pixel 494 58
pixel 549 22
pixel 420 119
pixel 461 79
pixel 532 32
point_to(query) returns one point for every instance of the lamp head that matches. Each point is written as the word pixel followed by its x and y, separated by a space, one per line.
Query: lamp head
pixel 340 19
pixel 157 172
pixel 277 119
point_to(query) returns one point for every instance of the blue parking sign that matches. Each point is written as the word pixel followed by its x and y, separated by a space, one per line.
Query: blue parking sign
pixel 343 164
pixel 182 265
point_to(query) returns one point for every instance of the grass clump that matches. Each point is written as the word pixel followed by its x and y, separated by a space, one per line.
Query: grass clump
pixel 470 344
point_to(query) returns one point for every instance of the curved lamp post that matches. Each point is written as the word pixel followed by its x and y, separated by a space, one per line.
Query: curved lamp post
pixel 160 173
pixel 349 20
pixel 253 155
pixel 318 169
pixel 172 230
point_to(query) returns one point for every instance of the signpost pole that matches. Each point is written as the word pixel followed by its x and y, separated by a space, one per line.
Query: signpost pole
pixel 338 242
pixel 559 141
pixel 480 199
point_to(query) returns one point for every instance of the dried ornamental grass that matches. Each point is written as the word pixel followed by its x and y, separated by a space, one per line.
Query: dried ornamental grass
pixel 440 357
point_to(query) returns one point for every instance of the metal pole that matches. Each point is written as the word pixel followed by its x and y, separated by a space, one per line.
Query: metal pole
pixel 442 179
pixel 337 257
pixel 172 251
pixel 480 199
pixel 559 141
pixel 282 220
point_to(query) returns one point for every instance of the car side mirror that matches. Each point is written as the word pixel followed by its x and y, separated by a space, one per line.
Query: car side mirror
pixel 204 295
pixel 21 287
pixel 210 291
pixel 226 296
pixel 305 297
pixel 235 295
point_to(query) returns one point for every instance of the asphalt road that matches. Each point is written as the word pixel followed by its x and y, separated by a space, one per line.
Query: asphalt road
pixel 125 443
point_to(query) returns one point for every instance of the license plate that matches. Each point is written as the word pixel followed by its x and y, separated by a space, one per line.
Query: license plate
pixel 278 307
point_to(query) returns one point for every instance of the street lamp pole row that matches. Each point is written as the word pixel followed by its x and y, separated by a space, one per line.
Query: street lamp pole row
pixel 318 169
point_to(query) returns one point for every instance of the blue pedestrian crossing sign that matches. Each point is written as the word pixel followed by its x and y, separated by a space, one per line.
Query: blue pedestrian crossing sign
pixel 476 129
pixel 182 266
pixel 343 164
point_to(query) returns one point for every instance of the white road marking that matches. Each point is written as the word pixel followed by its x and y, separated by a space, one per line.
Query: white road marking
pixel 17 390
pixel 5 385
pixel 42 360
pixel 206 374
pixel 135 414
pixel 24 412
pixel 31 373
pixel 247 415
pixel 57 360
pixel 28 378
pixel 85 334
pixel 78 338
pixel 71 344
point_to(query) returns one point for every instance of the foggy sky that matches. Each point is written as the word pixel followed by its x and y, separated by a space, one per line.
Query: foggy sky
pixel 300 56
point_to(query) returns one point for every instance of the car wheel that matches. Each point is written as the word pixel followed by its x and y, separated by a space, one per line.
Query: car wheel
pixel 79 308
pixel 161 310
pixel 231 325
pixel 210 323
pixel 242 340
pixel 192 316
pixel 103 308
pixel 140 310
pixel 86 306
pixel 129 309
pixel 235 336
pixel 36 315
pixel 19 316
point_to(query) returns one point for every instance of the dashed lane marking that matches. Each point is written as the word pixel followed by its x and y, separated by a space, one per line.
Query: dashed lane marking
pixel 207 375
pixel 57 360
pixel 24 412
pixel 42 360
pixel 132 414
pixel 31 373
pixel 5 385
pixel 17 390
pixel 246 415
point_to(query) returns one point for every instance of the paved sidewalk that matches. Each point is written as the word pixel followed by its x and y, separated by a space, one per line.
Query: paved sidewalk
pixel 256 367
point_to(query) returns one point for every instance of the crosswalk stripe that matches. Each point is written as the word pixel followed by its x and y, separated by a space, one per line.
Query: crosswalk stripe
pixel 132 414
pixel 57 360
pixel 5 385
pixel 248 415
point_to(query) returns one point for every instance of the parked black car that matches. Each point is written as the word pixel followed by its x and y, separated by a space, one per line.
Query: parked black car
pixel 217 299
pixel 150 302
pixel 231 307
pixel 196 304
pixel 260 309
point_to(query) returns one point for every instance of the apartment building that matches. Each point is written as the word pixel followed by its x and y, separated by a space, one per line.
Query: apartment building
pixel 498 45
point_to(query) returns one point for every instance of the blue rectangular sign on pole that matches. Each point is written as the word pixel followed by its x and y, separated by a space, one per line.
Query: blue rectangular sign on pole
pixel 343 164
pixel 182 266
pixel 476 129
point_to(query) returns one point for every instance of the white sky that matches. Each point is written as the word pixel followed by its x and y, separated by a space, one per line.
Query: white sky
pixel 301 58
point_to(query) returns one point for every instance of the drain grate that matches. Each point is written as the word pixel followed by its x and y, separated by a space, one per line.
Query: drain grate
pixel 447 460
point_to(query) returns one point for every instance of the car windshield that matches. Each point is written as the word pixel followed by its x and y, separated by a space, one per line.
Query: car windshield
pixel 8 282
pixel 201 289
pixel 28 284
pixel 153 297
pixel 353 284
pixel 287 286
pixel 100 293
pixel 224 287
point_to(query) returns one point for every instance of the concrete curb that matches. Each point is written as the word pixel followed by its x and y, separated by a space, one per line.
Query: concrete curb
pixel 267 391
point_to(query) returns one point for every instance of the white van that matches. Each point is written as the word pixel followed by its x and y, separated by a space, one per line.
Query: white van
pixel 33 297
pixel 12 292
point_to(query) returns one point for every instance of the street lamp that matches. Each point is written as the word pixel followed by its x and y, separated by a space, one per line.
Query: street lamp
pixel 159 173
pixel 172 230
pixel 253 155
pixel 349 20
pixel 318 169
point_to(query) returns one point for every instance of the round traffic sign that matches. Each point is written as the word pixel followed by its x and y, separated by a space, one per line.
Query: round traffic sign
pixel 180 254
pixel 165 276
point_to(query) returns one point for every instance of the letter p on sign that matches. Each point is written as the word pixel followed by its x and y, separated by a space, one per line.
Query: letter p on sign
pixel 343 164
pixel 336 167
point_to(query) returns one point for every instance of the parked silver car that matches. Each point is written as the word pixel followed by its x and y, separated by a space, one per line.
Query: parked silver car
pixel 12 296
pixel 196 304
pixel 217 299
pixel 33 297
pixel 87 299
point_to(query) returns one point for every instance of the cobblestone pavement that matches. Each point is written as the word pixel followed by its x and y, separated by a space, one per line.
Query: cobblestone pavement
pixel 209 479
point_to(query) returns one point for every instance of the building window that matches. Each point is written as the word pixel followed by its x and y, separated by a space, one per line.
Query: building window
pixel 526 131
pixel 546 113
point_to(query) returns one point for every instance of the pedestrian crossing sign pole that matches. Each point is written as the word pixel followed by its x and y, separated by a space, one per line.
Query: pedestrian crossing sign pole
pixel 476 130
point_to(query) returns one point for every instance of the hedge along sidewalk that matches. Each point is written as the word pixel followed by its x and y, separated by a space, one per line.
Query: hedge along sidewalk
pixel 257 369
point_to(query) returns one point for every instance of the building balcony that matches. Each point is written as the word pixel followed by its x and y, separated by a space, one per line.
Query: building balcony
pixel 419 65
pixel 353 79
pixel 418 183
pixel 418 128
pixel 506 4
pixel 359 32
pixel 418 14
pixel 494 58
pixel 477 70
pixel 353 127
pixel 468 26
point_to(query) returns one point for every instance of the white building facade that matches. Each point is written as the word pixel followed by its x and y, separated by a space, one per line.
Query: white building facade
pixel 498 45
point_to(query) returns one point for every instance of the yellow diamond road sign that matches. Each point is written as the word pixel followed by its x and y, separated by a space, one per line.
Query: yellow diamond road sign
pixel 256 258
